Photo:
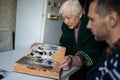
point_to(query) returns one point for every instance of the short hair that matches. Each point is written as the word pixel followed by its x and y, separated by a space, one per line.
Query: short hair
pixel 105 6
pixel 74 5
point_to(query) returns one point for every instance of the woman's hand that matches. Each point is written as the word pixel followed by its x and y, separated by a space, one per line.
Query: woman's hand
pixel 33 44
pixel 66 63
pixel 69 61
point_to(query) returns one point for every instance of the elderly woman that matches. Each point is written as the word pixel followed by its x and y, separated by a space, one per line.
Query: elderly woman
pixel 81 48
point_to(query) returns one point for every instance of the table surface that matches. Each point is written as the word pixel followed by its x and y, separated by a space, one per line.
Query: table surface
pixel 8 59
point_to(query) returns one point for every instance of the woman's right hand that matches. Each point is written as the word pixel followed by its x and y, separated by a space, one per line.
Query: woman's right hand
pixel 65 64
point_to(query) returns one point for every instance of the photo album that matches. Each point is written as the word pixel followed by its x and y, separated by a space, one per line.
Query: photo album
pixel 41 60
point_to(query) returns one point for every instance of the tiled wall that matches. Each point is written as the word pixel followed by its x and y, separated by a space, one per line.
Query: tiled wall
pixel 8 14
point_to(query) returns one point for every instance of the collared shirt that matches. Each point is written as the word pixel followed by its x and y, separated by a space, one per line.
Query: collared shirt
pixel 76 33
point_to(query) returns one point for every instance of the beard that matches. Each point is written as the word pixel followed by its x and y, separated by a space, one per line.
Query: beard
pixel 102 32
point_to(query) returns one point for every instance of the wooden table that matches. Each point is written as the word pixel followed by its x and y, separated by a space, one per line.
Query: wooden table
pixel 8 59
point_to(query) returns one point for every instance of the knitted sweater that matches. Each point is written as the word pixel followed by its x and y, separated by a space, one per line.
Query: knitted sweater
pixel 108 67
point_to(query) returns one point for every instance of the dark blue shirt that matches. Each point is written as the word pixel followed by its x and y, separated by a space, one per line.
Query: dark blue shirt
pixel 108 67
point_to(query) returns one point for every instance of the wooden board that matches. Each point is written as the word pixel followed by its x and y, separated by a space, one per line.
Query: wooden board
pixel 41 60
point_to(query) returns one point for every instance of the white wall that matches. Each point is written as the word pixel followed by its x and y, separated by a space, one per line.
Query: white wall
pixel 32 25
pixel 28 22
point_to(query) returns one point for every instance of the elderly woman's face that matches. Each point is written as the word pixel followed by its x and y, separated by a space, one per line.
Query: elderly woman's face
pixel 69 19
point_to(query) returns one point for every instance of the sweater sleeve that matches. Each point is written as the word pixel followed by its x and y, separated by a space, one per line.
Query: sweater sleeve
pixel 89 49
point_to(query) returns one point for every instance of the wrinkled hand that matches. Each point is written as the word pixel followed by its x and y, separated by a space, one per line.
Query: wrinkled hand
pixel 65 64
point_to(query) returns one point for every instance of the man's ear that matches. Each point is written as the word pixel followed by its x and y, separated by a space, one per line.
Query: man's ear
pixel 113 18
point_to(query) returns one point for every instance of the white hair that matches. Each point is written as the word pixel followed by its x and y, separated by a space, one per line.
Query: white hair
pixel 74 5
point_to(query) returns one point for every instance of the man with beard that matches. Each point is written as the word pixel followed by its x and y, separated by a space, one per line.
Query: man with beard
pixel 104 22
